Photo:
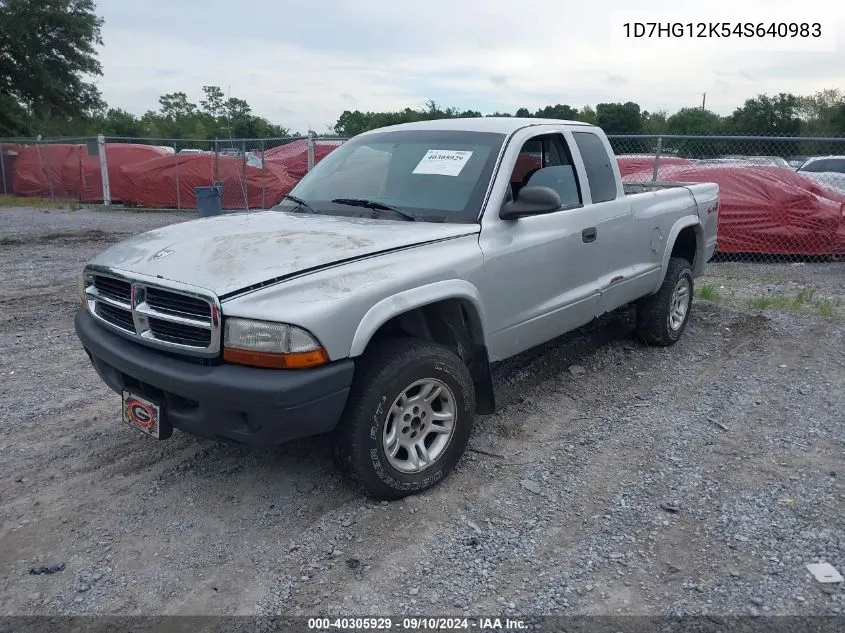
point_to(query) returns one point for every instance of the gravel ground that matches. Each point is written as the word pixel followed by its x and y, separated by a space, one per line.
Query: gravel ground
pixel 616 479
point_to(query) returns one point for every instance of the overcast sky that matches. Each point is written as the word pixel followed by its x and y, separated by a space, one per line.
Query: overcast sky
pixel 301 63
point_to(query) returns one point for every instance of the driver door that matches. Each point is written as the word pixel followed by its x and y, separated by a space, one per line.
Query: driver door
pixel 540 272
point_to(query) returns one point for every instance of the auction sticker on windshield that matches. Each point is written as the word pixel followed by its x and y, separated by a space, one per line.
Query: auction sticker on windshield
pixel 443 162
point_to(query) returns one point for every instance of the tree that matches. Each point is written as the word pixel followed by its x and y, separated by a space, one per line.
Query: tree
pixel 47 50
pixel 820 113
pixel 175 106
pixel 565 112
pixel 118 122
pixel 587 115
pixel 655 122
pixel 619 118
pixel 694 121
pixel 770 116
pixel 214 103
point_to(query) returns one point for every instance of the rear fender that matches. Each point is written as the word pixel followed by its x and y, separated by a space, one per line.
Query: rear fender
pixel 680 225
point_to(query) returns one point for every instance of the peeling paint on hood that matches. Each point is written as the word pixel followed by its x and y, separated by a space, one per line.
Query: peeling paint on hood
pixel 229 252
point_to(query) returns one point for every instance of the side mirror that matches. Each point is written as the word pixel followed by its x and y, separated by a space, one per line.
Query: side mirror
pixel 531 201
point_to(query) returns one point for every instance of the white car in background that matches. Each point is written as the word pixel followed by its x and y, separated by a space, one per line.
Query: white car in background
pixel 826 170
pixel 771 161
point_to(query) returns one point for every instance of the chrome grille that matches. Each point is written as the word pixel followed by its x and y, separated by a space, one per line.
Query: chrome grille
pixel 113 288
pixel 185 320
pixel 177 305
pixel 116 316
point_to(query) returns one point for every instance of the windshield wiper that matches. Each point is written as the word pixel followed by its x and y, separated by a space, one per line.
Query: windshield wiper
pixel 302 204
pixel 377 206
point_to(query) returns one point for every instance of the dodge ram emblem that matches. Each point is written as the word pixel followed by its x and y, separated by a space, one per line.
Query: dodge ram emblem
pixel 162 254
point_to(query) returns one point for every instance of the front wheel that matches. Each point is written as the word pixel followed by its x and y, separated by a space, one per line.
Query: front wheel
pixel 408 419
pixel 663 316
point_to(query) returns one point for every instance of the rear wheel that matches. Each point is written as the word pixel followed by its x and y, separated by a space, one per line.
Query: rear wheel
pixel 663 316
pixel 408 418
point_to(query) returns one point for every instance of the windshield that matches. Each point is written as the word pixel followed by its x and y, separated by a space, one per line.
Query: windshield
pixel 438 176
pixel 819 165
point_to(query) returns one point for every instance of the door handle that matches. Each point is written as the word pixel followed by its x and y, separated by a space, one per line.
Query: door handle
pixel 589 235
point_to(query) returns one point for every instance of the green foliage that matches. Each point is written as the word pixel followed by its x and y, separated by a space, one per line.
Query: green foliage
pixel 215 117
pixel 707 292
pixel 694 121
pixel 619 118
pixel 763 115
pixel 48 59
pixel 770 116
pixel 47 50
pixel 352 123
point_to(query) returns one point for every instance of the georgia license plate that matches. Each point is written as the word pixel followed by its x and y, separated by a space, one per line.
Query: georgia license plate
pixel 142 414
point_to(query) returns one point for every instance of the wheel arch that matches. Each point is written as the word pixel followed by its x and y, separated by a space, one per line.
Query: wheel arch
pixel 686 240
pixel 447 312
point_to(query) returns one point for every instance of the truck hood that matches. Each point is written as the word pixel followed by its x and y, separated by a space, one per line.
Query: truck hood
pixel 230 252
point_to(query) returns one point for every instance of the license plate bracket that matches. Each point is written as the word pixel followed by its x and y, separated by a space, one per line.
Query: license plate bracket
pixel 144 415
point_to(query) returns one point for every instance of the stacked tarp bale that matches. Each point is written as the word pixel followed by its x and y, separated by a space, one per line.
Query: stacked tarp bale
pixel 293 156
pixel 768 210
pixel 170 181
pixel 9 153
pixel 631 164
pixel 118 155
pixel 49 170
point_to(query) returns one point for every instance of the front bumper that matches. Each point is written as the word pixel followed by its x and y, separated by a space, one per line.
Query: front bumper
pixel 247 405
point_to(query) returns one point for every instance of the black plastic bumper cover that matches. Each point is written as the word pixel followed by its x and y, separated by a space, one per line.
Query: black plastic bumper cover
pixel 248 405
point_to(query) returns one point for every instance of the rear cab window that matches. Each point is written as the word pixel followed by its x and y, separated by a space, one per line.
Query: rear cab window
pixel 597 163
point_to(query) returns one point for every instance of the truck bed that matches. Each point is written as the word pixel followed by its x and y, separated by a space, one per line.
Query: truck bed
pixel 632 188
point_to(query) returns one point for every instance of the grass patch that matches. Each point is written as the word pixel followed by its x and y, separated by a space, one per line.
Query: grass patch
pixel 826 308
pixel 804 300
pixel 707 292
pixel 37 203
pixel 805 295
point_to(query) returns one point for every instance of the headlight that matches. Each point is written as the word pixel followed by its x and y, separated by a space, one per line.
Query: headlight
pixel 268 344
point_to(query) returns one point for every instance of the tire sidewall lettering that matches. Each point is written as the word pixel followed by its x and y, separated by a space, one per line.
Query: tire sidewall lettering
pixel 381 468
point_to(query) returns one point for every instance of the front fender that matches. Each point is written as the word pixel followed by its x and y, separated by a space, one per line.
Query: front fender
pixel 407 300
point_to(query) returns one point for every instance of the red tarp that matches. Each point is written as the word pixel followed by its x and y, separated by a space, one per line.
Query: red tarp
pixel 117 155
pixel 633 164
pixel 49 170
pixel 294 156
pixel 9 154
pixel 153 183
pixel 65 170
pixel 769 210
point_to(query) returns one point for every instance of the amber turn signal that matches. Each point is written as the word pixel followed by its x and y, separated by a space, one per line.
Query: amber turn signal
pixel 293 360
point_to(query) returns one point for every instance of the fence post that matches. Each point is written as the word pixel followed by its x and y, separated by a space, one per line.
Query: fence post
pixel 216 162
pixel 657 158
pixel 46 170
pixel 178 184
pixel 311 144
pixel 104 170
pixel 3 168
pixel 244 181
pixel 263 178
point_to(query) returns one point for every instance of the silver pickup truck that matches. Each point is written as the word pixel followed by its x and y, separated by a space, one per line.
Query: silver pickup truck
pixel 371 301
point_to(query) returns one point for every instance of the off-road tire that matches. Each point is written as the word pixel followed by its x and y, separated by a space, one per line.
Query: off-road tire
pixel 382 374
pixel 654 311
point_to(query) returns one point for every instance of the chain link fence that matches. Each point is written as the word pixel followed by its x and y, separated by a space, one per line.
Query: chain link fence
pixel 158 173
pixel 780 196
